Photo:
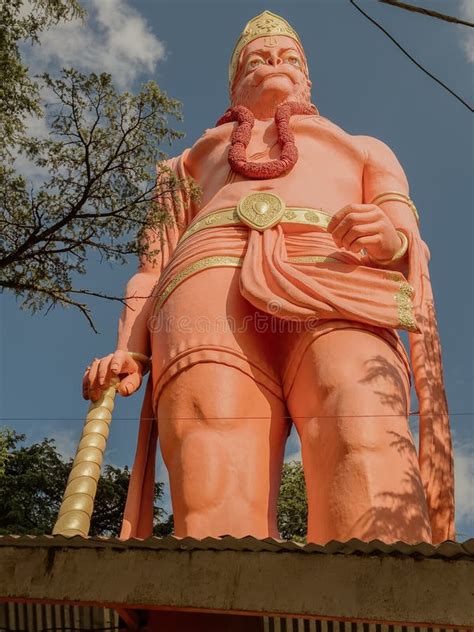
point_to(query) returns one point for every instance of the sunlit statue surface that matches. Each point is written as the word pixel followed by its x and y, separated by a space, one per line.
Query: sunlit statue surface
pixel 276 300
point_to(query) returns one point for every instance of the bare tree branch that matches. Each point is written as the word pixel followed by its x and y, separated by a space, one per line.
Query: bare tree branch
pixel 100 188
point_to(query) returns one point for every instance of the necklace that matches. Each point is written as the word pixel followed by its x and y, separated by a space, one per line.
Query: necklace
pixel 241 137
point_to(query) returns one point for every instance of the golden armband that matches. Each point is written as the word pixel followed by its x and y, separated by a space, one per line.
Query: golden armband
pixel 396 196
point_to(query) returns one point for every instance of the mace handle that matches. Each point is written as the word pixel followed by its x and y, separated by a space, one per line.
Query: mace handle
pixel 74 517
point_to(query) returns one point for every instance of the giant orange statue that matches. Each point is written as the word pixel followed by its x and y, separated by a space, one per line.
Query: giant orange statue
pixel 276 299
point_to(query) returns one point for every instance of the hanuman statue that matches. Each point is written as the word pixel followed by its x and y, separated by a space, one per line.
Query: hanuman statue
pixel 276 299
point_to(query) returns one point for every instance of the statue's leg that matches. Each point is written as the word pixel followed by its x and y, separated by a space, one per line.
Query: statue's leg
pixel 222 437
pixel 349 402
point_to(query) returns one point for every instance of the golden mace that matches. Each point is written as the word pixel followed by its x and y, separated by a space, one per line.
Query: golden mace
pixel 74 516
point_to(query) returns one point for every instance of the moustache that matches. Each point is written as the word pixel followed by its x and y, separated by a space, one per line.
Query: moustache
pixel 262 72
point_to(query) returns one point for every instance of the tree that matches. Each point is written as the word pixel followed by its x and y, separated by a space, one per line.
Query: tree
pixel 33 482
pixel 6 436
pixel 99 186
pixel 292 503
pixel 19 96
pixel 33 479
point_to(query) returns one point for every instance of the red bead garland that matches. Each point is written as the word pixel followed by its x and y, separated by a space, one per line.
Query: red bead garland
pixel 241 137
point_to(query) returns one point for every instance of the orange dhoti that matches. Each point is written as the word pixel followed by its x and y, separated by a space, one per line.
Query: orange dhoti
pixel 267 317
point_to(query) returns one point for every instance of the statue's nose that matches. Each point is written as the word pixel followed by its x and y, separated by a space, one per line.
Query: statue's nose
pixel 274 60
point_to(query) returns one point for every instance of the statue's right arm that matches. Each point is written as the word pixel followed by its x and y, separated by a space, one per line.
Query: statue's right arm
pixel 133 333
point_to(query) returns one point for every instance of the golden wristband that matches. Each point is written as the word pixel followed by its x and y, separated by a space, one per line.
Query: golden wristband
pixel 396 196
pixel 142 358
pixel 398 255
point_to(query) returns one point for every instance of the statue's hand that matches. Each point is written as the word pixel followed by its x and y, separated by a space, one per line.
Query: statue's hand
pixel 100 373
pixel 365 226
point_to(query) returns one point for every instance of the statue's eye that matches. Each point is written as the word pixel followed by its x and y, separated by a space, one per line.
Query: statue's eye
pixel 293 60
pixel 253 63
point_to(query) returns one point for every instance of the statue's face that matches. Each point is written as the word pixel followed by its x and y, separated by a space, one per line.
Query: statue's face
pixel 271 70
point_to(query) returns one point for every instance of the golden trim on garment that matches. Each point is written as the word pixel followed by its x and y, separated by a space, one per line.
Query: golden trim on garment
pixel 405 307
pixel 267 24
pixel 314 259
pixel 403 299
pixel 225 217
pixel 229 217
pixel 216 261
pixel 219 261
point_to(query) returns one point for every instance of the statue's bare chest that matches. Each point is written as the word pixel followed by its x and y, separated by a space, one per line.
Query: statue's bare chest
pixel 329 158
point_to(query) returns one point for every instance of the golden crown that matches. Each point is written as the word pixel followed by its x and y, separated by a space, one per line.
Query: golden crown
pixel 267 24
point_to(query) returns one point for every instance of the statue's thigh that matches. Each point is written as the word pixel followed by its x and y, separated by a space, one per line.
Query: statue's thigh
pixel 349 403
pixel 351 371
pixel 351 393
pixel 222 438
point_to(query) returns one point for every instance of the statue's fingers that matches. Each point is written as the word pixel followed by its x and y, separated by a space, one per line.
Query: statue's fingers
pixel 338 217
pixel 94 387
pixel 362 242
pixel 122 362
pixel 117 362
pixel 104 373
pixel 361 230
pixel 350 221
pixel 85 384
pixel 130 365
pixel 93 372
pixel 129 384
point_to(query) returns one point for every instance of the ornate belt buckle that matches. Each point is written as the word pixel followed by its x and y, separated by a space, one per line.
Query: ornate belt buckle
pixel 261 210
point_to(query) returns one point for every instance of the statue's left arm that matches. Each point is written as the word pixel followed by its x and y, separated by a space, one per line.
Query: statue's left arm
pixel 385 187
pixel 382 224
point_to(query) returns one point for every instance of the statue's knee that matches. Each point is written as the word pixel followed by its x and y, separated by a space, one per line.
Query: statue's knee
pixel 185 402
pixel 204 468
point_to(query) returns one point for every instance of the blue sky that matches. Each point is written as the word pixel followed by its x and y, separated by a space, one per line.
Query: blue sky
pixel 363 83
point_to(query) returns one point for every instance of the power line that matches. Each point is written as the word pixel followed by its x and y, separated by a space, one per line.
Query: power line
pixel 410 57
pixel 412 414
pixel 429 12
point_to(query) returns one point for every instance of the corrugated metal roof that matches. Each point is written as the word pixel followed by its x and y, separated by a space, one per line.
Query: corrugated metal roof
pixel 446 550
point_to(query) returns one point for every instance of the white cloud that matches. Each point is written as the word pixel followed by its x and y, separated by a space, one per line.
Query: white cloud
pixel 66 442
pixel 464 482
pixel 36 175
pixel 467 13
pixel 114 38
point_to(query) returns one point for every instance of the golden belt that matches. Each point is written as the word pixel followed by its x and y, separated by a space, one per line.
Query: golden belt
pixel 260 211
